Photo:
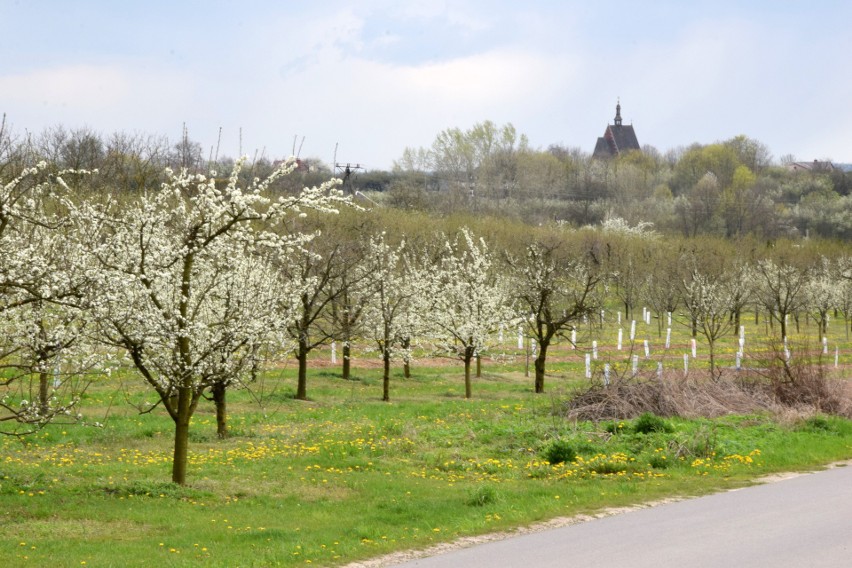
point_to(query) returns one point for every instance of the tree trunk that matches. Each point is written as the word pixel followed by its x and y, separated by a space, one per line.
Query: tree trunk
pixel 219 399
pixel 711 344
pixel 346 364
pixel 478 366
pixel 539 375
pixel 386 375
pixel 467 386
pixel 181 450
pixel 302 357
pixel 43 393
pixel 540 361
pixel 406 365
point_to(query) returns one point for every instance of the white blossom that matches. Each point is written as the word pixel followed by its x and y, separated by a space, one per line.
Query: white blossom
pixel 184 282
pixel 467 300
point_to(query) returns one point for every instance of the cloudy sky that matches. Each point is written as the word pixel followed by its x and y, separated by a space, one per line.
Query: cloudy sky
pixel 376 76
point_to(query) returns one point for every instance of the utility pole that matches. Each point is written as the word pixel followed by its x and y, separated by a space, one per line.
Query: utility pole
pixel 346 171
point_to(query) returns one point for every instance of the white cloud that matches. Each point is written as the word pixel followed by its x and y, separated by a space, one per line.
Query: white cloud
pixel 452 12
pixel 377 109
pixel 74 87
pixel 107 97
pixel 488 79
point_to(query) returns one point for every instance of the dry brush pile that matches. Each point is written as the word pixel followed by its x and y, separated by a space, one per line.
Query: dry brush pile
pixel 797 385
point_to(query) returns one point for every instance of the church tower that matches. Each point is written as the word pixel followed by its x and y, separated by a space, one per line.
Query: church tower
pixel 617 138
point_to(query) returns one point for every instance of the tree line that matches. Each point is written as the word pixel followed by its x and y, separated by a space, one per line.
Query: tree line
pixel 730 188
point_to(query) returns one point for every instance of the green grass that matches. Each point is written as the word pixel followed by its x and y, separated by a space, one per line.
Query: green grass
pixel 344 476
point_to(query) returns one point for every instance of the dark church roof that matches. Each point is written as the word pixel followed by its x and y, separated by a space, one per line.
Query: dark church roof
pixel 616 139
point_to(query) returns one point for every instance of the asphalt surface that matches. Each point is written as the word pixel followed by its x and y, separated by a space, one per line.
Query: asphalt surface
pixel 800 522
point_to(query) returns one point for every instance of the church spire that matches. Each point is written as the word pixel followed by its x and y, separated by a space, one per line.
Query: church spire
pixel 618 112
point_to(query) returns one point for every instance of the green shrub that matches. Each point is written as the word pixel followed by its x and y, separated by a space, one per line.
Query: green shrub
pixel 703 442
pixel 817 424
pixel 609 467
pixel 560 451
pixel 482 495
pixel 647 423
pixel 659 461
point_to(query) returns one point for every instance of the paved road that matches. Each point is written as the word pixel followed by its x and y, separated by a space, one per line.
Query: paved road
pixel 802 522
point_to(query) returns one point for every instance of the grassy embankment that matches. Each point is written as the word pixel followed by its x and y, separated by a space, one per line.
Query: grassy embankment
pixel 345 476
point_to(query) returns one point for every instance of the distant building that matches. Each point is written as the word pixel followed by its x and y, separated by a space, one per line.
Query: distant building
pixel 617 138
pixel 815 166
